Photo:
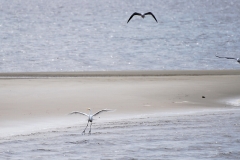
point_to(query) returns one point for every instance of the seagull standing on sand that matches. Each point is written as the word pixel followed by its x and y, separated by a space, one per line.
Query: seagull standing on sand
pixel 142 15
pixel 90 117
pixel 238 59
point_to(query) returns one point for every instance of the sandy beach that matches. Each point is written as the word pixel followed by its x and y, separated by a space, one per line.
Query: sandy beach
pixel 32 102
pixel 36 95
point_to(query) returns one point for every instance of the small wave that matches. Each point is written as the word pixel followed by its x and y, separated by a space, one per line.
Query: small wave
pixel 43 150
pixel 234 102
pixel 229 155
pixel 79 142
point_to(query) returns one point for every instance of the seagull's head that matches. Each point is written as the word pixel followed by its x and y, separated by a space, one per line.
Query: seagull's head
pixel 89 109
pixel 143 16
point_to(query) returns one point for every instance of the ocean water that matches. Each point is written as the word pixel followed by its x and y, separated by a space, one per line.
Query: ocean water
pixel 92 35
pixel 205 135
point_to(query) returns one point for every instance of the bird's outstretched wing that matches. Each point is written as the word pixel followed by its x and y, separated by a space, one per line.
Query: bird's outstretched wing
pixel 104 110
pixel 225 57
pixel 150 13
pixel 135 13
pixel 76 112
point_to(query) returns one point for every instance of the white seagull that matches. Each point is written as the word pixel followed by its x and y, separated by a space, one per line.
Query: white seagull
pixel 142 15
pixel 238 59
pixel 90 117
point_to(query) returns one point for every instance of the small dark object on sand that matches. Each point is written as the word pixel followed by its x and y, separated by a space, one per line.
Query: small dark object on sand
pixel 203 96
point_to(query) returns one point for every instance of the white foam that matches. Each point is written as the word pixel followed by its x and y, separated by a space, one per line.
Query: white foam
pixel 233 102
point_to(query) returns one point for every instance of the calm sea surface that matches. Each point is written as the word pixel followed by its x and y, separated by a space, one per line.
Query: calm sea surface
pixel 211 136
pixel 92 35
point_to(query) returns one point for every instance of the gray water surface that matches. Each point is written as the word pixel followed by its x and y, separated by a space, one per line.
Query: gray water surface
pixel 87 35
pixel 207 135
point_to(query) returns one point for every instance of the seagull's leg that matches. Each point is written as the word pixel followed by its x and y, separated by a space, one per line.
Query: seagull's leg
pixel 85 128
pixel 90 128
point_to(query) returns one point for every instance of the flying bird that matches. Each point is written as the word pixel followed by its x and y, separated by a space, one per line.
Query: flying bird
pixel 90 117
pixel 142 15
pixel 238 59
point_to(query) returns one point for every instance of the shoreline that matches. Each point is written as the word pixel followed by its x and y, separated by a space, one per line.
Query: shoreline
pixel 26 101
pixel 187 134
pixel 119 73
pixel 51 125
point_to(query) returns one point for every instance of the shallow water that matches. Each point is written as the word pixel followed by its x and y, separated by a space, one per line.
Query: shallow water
pixel 67 35
pixel 205 135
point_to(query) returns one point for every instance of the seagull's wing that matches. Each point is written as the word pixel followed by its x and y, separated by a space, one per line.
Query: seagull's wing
pixel 76 112
pixel 225 57
pixel 150 13
pixel 135 13
pixel 104 110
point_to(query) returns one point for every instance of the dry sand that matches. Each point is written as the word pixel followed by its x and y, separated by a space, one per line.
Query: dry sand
pixel 29 96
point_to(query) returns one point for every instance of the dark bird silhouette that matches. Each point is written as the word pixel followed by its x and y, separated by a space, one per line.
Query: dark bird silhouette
pixel 238 59
pixel 142 15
